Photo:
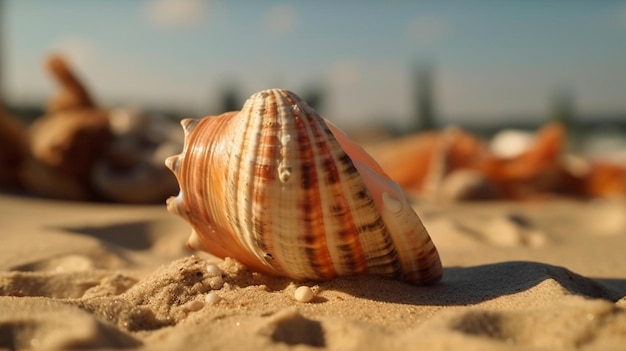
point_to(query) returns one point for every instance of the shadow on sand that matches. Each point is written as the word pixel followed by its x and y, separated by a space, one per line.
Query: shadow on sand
pixel 471 285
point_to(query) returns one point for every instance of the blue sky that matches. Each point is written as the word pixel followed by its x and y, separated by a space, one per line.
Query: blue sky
pixel 491 58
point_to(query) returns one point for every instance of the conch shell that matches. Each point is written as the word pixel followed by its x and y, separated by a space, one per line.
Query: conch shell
pixel 286 193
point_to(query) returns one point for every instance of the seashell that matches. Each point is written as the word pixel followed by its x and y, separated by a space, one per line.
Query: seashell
pixel 535 172
pixel 605 180
pixel 64 144
pixel 465 185
pixel 72 93
pixel 286 193
pixel 392 156
pixel 78 151
pixel 62 150
pixel 433 156
pixel 130 169
pixel 445 177
pixel 509 143
pixel 453 165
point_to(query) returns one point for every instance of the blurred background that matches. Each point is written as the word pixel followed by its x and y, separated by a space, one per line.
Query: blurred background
pixel 400 64
pixel 377 69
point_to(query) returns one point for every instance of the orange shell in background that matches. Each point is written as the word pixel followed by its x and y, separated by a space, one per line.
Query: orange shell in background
pixel 286 193
pixel 537 171
pixel 393 155
pixel 72 93
pixel 605 180
pixel 411 160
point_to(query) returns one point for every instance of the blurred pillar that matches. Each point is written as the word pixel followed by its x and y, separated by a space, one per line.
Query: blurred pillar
pixel 425 115
pixel 230 100
pixel 562 110
pixel 314 97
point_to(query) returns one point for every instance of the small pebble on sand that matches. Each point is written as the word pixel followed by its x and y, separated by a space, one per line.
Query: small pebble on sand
pixel 193 306
pixel 304 294
pixel 213 270
pixel 212 298
pixel 216 283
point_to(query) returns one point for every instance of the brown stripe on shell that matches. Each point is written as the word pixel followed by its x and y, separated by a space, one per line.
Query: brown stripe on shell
pixel 376 249
pixel 244 200
pixel 263 177
pixel 284 251
pixel 382 258
pixel 375 240
pixel 255 203
pixel 345 237
pixel 428 263
pixel 269 125
pixel 278 245
pixel 312 212
pixel 377 245
pixel 414 247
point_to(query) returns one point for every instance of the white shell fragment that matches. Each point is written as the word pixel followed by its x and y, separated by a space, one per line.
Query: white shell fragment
pixel 194 305
pixel 304 294
pixel 213 270
pixel 212 298
pixel 216 282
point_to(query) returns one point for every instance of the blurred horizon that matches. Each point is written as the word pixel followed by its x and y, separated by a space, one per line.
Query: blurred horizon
pixel 487 62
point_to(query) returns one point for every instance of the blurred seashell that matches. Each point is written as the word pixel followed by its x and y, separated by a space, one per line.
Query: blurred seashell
pixel 465 185
pixel 64 144
pixel 131 168
pixel 455 150
pixel 72 93
pixel 62 150
pixel 394 156
pixel 420 162
pixel 283 191
pixel 536 171
pixel 576 165
pixel 605 180
pixel 12 150
pixel 511 143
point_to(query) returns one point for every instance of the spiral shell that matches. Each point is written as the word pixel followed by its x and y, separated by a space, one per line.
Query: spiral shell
pixel 286 193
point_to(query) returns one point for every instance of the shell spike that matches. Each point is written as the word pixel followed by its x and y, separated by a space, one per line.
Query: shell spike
pixel 194 242
pixel 175 205
pixel 172 163
pixel 189 124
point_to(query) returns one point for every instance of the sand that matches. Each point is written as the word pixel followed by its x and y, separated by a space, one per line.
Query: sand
pixel 518 276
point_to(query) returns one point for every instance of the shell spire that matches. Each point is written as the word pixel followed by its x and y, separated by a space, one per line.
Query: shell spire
pixel 285 192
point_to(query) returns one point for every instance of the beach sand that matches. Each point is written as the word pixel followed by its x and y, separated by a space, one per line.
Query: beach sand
pixel 546 275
